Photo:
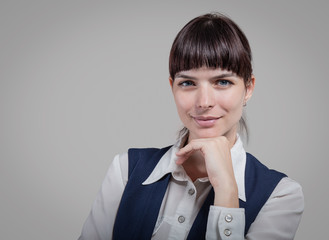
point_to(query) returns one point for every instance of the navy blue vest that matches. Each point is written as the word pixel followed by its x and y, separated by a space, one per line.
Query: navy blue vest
pixel 140 204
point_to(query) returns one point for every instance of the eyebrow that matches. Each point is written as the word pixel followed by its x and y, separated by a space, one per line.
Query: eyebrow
pixel 224 75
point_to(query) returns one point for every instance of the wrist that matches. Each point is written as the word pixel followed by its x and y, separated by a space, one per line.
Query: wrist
pixel 227 197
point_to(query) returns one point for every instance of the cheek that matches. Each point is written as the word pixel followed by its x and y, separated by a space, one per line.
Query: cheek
pixel 183 102
pixel 232 101
pixel 232 104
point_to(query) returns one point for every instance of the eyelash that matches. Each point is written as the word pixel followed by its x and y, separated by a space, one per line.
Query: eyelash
pixel 222 83
pixel 226 83
pixel 186 83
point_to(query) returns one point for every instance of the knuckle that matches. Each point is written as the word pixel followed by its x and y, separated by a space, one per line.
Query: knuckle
pixel 223 140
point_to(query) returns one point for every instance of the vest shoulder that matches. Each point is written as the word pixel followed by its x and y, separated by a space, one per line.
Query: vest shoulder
pixel 144 159
pixel 254 163
pixel 147 151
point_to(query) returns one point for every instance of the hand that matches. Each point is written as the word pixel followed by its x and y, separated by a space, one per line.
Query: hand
pixel 218 164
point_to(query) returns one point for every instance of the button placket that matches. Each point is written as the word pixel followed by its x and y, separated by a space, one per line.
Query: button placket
pixel 191 191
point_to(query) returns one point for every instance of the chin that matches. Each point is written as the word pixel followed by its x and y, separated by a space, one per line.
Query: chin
pixel 207 133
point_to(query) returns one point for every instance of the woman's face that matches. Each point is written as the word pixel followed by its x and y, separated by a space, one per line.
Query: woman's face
pixel 210 101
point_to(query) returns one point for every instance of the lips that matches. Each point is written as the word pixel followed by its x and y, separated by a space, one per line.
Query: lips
pixel 206 121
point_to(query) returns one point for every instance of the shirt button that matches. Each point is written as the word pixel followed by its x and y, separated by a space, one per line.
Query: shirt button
pixel 227 232
pixel 228 218
pixel 191 191
pixel 181 219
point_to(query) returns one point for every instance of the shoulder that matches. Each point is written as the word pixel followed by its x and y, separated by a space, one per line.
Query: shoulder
pixel 289 188
pixel 255 162
pixel 286 199
pixel 142 155
pixel 284 207
pixel 285 188
pixel 256 169
pixel 146 151
pixel 144 159
pixel 118 168
pixel 125 162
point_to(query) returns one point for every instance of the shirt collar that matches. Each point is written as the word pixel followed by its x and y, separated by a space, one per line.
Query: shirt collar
pixel 167 164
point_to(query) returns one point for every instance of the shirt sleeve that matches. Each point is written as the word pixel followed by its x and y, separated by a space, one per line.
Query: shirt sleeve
pixel 225 223
pixel 278 219
pixel 99 223
pixel 280 216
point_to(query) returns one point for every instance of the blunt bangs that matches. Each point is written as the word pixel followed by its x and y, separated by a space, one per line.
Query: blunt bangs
pixel 213 41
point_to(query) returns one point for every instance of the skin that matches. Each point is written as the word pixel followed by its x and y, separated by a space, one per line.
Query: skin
pixel 210 104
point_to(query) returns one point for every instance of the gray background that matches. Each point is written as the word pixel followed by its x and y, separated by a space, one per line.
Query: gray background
pixel 83 80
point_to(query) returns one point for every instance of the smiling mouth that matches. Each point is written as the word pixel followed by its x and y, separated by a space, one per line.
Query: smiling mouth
pixel 206 121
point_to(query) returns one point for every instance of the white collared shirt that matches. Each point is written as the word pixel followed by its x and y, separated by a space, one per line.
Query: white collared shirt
pixel 278 219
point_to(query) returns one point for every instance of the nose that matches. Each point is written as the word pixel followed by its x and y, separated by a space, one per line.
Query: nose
pixel 205 98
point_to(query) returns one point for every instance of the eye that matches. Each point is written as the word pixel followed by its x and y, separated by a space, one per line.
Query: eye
pixel 186 83
pixel 223 83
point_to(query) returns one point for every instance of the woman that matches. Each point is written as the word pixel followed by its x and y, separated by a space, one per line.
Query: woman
pixel 205 186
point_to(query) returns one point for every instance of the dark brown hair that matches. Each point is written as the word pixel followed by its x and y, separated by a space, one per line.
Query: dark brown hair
pixel 211 40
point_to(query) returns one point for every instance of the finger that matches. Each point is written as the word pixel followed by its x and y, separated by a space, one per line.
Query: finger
pixel 190 148
pixel 184 153
pixel 182 157
pixel 181 160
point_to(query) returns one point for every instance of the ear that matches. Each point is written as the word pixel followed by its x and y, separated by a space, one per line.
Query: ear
pixel 250 89
pixel 171 82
